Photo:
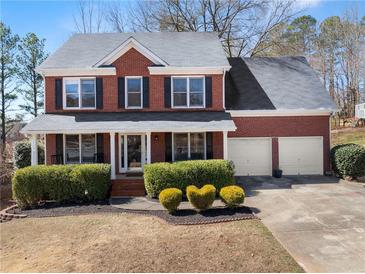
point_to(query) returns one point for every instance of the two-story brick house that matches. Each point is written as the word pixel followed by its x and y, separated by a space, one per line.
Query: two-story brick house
pixel 134 98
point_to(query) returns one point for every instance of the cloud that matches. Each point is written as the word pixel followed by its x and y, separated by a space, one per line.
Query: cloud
pixel 307 3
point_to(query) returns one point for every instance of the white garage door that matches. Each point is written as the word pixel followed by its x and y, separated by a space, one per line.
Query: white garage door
pixel 251 156
pixel 301 155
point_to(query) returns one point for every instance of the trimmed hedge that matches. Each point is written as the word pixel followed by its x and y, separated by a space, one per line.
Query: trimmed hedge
pixel 232 196
pixel 170 198
pixel 348 160
pixel 158 176
pixel 202 198
pixel 22 152
pixel 89 182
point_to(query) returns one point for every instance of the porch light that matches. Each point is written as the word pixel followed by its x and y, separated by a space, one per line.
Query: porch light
pixel 155 138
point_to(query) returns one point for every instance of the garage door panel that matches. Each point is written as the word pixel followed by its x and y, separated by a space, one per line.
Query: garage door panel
pixel 251 156
pixel 301 155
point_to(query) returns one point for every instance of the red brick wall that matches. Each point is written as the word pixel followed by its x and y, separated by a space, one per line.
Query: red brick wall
pixel 50 147
pixel 158 147
pixel 132 63
pixel 285 127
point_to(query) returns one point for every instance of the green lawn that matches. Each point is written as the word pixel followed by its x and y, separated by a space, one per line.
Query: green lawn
pixel 351 135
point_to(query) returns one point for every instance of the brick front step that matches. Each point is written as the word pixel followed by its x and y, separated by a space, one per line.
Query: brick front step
pixel 128 187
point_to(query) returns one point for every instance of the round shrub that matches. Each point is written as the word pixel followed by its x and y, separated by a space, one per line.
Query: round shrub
pixel 170 198
pixel 158 176
pixel 348 160
pixel 202 198
pixel 232 196
pixel 22 152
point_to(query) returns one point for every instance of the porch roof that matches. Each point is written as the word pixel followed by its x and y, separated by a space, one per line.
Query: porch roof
pixel 131 122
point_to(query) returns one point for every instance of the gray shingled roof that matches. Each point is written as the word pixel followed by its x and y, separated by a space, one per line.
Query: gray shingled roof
pixel 132 121
pixel 282 83
pixel 180 49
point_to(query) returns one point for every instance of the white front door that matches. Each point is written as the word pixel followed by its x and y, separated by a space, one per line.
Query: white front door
pixel 251 156
pixel 301 155
pixel 132 152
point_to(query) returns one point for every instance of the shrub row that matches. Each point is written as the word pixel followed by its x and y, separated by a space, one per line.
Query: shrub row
pixel 348 160
pixel 158 176
pixel 61 183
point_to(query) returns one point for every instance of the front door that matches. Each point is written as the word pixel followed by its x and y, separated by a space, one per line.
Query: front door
pixel 132 152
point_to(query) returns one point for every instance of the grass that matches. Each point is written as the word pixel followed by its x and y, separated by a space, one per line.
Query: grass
pixel 135 243
pixel 351 135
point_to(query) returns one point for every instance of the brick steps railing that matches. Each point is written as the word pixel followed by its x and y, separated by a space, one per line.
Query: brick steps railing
pixel 128 187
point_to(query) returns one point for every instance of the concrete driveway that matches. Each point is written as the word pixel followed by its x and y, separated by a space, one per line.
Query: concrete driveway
pixel 319 220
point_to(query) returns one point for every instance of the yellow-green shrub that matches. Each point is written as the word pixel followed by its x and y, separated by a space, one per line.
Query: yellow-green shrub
pixel 170 198
pixel 232 196
pixel 202 198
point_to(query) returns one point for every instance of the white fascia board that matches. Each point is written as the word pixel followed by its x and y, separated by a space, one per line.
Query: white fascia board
pixel 124 47
pixel 273 113
pixel 77 71
pixel 187 70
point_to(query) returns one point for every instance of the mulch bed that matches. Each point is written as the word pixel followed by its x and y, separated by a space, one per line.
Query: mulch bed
pixel 181 217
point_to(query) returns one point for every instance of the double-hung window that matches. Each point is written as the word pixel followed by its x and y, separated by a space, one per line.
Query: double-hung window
pixel 79 93
pixel 188 92
pixel 188 146
pixel 79 148
pixel 133 91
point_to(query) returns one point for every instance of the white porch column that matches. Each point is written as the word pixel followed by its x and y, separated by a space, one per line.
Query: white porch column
pixel 148 134
pixel 225 145
pixel 112 155
pixel 34 150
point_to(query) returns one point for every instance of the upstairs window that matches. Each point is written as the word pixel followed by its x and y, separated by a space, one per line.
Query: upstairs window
pixel 188 92
pixel 133 92
pixel 79 93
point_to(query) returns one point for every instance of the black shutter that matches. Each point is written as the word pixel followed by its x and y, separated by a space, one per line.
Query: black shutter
pixel 146 92
pixel 121 94
pixel 209 144
pixel 167 85
pixel 99 148
pixel 58 91
pixel 208 92
pixel 59 149
pixel 168 147
pixel 99 93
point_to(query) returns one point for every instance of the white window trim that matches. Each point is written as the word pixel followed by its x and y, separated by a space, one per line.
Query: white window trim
pixel 125 152
pixel 78 79
pixel 126 92
pixel 188 77
pixel 80 147
pixel 189 144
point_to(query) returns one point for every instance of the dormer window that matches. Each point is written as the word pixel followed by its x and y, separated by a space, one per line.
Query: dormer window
pixel 133 89
pixel 188 92
pixel 79 93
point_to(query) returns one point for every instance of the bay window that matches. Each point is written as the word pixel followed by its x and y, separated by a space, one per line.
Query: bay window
pixel 133 92
pixel 79 93
pixel 188 92
pixel 188 146
pixel 79 148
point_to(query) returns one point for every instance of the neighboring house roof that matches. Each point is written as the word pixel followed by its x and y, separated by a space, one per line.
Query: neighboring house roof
pixel 133 121
pixel 275 83
pixel 177 49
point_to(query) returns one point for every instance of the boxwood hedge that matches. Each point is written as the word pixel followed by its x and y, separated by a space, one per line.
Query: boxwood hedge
pixel 158 176
pixel 89 182
pixel 348 160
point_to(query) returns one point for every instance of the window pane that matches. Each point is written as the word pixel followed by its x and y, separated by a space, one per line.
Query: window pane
pixel 196 84
pixel 180 99
pixel 134 151
pixel 134 100
pixel 197 145
pixel 179 84
pixel 71 86
pixel 87 148
pixel 196 99
pixel 72 100
pixel 88 93
pixel 72 152
pixel 134 85
pixel 181 146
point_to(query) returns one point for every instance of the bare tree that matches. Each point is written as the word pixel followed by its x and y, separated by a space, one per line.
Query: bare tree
pixel 89 17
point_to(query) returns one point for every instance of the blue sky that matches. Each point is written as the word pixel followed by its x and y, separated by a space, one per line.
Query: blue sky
pixel 53 20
